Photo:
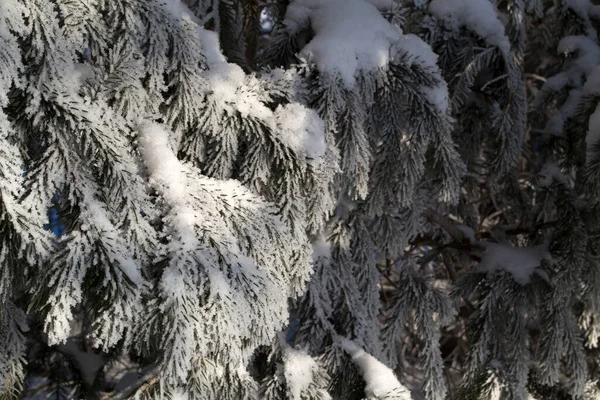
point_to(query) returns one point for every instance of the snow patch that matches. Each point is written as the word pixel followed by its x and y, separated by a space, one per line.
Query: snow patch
pixel 224 81
pixel 521 262
pixel 172 282
pixel 594 12
pixel 585 49
pixel 557 82
pixel 179 394
pixel 298 371
pixel 593 134
pixel 302 129
pixel 592 83
pixel 380 379
pixel 350 36
pixel 556 123
pixel 163 166
pixel 581 7
pixel 421 53
pixel 321 249
pixel 384 5
pixel 467 232
pixel 478 15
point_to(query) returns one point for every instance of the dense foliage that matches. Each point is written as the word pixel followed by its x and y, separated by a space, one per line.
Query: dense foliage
pixel 307 199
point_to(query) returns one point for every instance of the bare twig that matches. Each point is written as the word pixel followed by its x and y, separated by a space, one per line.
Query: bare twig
pixel 535 76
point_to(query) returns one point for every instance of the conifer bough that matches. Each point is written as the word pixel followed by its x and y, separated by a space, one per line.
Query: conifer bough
pixel 306 199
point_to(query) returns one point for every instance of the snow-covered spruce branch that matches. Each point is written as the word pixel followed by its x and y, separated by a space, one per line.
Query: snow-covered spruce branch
pixel 378 199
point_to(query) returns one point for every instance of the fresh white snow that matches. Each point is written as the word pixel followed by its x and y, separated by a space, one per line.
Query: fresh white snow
pixel 423 54
pixel 302 129
pixel 592 83
pixel 587 51
pixel 556 123
pixel 521 262
pixel 384 5
pixel 350 36
pixel 179 394
pixel 593 133
pixel 592 88
pixel 557 82
pixel 298 371
pixel 380 379
pixel 467 232
pixel 321 249
pixel 583 8
pixel 478 15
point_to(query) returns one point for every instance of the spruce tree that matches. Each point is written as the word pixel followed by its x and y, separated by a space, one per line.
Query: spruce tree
pixel 306 199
